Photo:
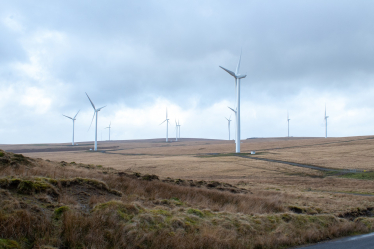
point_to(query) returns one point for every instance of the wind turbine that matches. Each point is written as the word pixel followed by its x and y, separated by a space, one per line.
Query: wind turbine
pixel 109 129
pixel 288 121
pixel 176 130
pixel 95 113
pixel 235 118
pixel 73 123
pixel 167 124
pixel 237 77
pixel 179 129
pixel 229 120
pixel 325 123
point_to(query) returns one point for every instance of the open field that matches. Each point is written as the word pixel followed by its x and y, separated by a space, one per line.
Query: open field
pixel 262 187
pixel 204 159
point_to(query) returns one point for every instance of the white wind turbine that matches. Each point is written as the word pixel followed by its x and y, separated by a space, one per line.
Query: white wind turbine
pixel 237 77
pixel 235 118
pixel 325 122
pixel 73 123
pixel 167 124
pixel 109 129
pixel 176 130
pixel 95 113
pixel 288 121
pixel 179 129
pixel 229 120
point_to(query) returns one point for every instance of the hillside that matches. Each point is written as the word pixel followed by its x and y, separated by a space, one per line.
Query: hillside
pixel 46 204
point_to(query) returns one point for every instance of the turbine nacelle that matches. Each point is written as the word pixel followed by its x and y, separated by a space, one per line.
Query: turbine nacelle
pixel 236 76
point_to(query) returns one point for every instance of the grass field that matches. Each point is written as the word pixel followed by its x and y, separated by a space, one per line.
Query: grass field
pixel 260 188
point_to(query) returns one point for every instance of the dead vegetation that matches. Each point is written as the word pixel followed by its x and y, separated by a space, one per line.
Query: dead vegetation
pixel 45 204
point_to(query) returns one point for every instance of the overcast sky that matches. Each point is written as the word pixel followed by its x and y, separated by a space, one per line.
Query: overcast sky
pixel 139 57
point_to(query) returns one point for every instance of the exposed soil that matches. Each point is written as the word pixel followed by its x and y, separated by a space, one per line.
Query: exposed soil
pixel 351 215
pixel 221 186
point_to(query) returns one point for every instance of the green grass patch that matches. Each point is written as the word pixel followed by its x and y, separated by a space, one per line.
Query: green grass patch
pixel 196 212
pixel 7 244
pixel 360 175
pixel 59 211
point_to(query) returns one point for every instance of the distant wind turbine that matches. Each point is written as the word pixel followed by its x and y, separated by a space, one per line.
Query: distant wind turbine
pixel 167 124
pixel 96 112
pixel 229 120
pixel 288 121
pixel 325 122
pixel 179 130
pixel 109 129
pixel 235 117
pixel 176 130
pixel 73 123
pixel 237 77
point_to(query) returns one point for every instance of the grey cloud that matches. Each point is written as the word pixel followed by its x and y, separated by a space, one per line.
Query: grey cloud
pixel 134 52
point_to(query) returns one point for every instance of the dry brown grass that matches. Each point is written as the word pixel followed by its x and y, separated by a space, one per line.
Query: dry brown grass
pixel 275 188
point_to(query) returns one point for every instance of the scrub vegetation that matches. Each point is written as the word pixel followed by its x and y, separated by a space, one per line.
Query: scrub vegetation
pixel 72 205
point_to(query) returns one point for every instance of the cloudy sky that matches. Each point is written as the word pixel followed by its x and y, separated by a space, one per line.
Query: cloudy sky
pixel 139 57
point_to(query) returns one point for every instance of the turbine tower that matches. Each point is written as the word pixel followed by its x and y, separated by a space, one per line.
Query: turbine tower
pixel 325 123
pixel 167 124
pixel 179 129
pixel 229 120
pixel 288 121
pixel 96 112
pixel 73 123
pixel 237 77
pixel 109 129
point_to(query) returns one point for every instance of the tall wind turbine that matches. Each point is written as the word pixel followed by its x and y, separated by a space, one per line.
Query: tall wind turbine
pixel 325 123
pixel 179 129
pixel 96 112
pixel 288 121
pixel 109 129
pixel 73 123
pixel 237 77
pixel 167 124
pixel 229 120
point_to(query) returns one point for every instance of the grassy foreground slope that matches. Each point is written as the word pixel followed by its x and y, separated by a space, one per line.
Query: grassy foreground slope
pixel 47 204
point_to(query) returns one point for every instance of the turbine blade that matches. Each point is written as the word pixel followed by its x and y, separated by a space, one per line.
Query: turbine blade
pixel 231 109
pixel 238 67
pixel 91 102
pixel 230 72
pixel 163 122
pixel 66 116
pixel 101 108
pixel 242 76
pixel 76 114
pixel 92 120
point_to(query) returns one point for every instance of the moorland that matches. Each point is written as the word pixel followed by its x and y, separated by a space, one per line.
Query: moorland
pixel 194 193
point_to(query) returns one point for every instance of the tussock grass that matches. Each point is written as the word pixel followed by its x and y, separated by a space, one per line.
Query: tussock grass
pixel 78 206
